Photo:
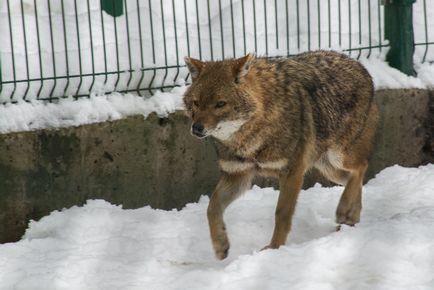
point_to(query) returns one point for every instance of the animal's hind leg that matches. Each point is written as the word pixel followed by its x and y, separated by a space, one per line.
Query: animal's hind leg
pixel 336 175
pixel 350 203
pixel 355 161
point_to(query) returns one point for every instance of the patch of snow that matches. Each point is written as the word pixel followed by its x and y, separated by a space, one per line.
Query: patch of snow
pixel 386 77
pixel 27 116
pixel 425 72
pixel 102 246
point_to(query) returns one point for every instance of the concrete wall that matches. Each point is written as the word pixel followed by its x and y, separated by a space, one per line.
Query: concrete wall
pixel 137 162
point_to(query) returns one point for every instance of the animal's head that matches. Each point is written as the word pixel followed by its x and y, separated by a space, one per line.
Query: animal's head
pixel 218 100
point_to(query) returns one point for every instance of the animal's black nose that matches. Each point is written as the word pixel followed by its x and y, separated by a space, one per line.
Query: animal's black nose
pixel 197 129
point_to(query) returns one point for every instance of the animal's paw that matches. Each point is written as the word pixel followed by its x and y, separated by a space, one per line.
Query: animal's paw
pixel 348 214
pixel 339 227
pixel 221 246
pixel 270 246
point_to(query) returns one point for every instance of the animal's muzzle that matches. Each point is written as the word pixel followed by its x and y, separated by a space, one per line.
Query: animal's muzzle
pixel 198 129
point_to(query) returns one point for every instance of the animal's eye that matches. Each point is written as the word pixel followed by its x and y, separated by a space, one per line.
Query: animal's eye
pixel 196 103
pixel 220 104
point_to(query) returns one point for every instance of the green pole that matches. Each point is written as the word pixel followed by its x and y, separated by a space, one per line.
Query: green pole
pixel 114 8
pixel 398 29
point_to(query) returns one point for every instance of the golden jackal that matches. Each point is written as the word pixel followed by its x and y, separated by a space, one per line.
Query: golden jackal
pixel 280 117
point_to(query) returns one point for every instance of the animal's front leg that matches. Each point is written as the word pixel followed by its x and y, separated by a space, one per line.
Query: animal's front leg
pixel 229 187
pixel 290 186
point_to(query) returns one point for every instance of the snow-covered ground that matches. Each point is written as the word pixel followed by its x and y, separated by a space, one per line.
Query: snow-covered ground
pixel 102 246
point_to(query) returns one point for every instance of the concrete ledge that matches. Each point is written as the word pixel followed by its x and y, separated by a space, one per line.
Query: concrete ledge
pixel 403 129
pixel 156 162
pixel 134 162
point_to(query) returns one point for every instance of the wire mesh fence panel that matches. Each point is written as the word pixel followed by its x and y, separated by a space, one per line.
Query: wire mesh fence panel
pixel 423 20
pixel 58 48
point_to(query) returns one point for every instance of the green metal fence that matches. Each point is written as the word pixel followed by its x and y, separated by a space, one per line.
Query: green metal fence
pixel 424 36
pixel 51 49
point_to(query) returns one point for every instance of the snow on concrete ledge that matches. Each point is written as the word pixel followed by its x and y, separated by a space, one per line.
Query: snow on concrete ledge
pixel 386 77
pixel 28 116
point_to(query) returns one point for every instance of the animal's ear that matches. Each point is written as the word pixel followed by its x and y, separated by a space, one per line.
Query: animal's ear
pixel 194 66
pixel 241 66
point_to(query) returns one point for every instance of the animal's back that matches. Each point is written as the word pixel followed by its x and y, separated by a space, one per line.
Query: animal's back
pixel 340 91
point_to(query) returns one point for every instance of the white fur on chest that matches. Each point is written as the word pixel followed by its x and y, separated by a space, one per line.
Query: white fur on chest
pixel 224 130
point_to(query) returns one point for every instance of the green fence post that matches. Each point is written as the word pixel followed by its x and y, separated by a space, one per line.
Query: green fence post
pixel 398 29
pixel 114 8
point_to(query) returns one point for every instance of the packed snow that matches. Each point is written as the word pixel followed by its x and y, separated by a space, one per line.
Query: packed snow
pixel 386 77
pixel 28 116
pixel 102 246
